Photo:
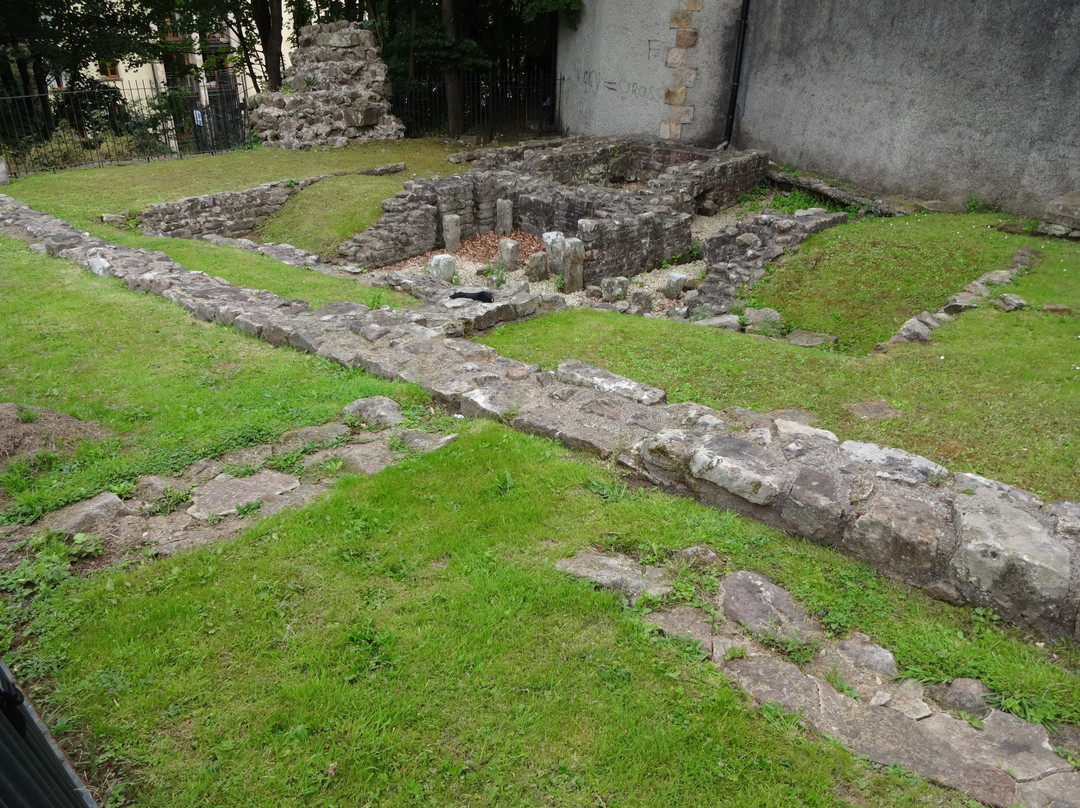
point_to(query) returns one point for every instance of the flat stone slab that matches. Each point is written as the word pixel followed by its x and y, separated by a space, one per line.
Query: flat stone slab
pixel 86 516
pixel 421 441
pixel 810 339
pixel 357 458
pixel 224 493
pixel 579 373
pixel 619 573
pixel 876 410
pixel 763 608
pixel 309 435
pixel 1055 791
pixel 375 411
pixel 1005 741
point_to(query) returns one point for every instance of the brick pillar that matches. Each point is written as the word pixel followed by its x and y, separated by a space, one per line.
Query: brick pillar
pixel 680 59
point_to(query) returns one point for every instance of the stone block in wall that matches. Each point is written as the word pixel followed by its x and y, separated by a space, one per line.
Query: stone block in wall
pixel 901 536
pixel 692 5
pixel 1007 553
pixel 678 115
pixel 681 19
pixel 674 96
pixel 686 38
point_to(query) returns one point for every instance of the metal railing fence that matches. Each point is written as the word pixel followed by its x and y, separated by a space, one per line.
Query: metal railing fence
pixel 494 105
pixel 120 123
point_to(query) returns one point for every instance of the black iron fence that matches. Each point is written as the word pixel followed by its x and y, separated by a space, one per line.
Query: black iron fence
pixel 131 121
pixel 121 122
pixel 493 105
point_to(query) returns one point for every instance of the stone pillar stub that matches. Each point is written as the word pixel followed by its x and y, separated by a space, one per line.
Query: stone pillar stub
pixel 451 227
pixel 574 266
pixel 509 253
pixel 504 216
pixel 442 267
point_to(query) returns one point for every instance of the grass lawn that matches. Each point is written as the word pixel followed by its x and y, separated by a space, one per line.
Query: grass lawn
pixel 317 219
pixel 860 282
pixel 171 389
pixel 406 639
pixel 994 393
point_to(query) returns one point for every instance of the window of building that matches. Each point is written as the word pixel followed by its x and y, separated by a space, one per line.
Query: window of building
pixel 108 69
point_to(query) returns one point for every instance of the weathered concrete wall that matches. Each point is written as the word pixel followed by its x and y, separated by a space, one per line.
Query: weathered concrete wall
pixel 936 100
pixel 638 67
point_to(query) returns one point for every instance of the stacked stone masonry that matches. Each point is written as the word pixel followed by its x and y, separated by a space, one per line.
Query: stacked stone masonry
pixel 573 188
pixel 960 537
pixel 336 93
pixel 680 59
pixel 228 213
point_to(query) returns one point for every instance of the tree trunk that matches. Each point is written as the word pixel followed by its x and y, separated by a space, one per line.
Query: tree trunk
pixel 24 74
pixel 7 75
pixel 42 87
pixel 267 16
pixel 455 98
pixel 238 29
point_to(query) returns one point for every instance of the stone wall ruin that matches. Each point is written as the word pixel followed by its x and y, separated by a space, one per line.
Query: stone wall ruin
pixel 960 537
pixel 336 93
pixel 628 202
pixel 227 213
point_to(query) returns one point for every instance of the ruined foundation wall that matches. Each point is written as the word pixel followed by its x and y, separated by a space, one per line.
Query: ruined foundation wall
pixel 228 213
pixel 625 231
pixel 960 537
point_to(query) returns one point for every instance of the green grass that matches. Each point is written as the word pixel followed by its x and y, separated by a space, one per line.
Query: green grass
pixel 994 393
pixel 170 389
pixel 329 212
pixel 410 633
pixel 79 195
pixel 406 639
pixel 860 282
pixel 317 219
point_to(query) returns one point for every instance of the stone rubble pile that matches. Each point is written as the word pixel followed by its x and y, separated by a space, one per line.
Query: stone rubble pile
pixel 891 721
pixel 624 231
pixel 148 521
pixel 335 93
pixel 960 537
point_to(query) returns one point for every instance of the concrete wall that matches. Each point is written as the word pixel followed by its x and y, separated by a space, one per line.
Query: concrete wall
pixel 935 100
pixel 656 69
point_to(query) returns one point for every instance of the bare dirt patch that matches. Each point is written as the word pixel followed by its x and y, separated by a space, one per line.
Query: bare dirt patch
pixel 27 430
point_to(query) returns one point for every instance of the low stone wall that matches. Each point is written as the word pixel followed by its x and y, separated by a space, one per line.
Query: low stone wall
pixel 552 186
pixel 336 92
pixel 960 537
pixel 231 214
